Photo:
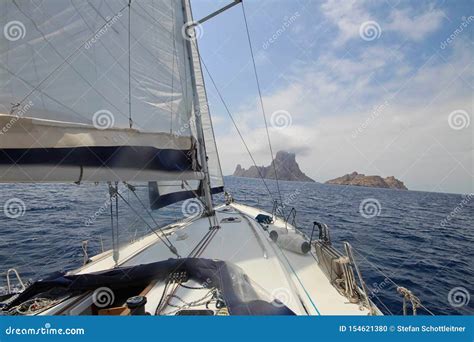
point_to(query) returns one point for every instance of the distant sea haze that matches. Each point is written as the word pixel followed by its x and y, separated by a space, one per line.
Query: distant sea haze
pixel 420 240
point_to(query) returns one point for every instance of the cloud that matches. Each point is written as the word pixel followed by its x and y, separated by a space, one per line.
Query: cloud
pixel 402 119
pixel 348 16
pixel 416 27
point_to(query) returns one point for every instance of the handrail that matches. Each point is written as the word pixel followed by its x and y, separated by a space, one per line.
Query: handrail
pixel 84 246
pixel 9 288
pixel 292 211
pixel 274 209
pixel 348 249
pixel 323 232
pixel 347 269
pixel 312 232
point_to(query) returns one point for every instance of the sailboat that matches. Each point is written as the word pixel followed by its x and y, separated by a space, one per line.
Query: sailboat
pixel 113 91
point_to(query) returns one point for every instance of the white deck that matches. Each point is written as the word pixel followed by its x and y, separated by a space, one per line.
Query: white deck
pixel 293 278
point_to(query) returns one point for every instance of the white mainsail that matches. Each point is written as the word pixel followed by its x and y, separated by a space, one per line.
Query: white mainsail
pixel 98 91
pixel 163 193
pixel 213 162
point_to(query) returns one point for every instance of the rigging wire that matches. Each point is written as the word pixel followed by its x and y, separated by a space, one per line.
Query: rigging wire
pixel 382 303
pixel 160 303
pixel 66 60
pixel 198 197
pixel 171 247
pixel 261 100
pixel 172 69
pixel 132 189
pixel 112 218
pixel 117 242
pixel 175 60
pixel 115 227
pixel 233 121
pixel 388 278
pixel 130 121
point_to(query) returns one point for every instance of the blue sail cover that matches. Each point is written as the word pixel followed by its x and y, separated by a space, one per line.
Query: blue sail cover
pixel 239 294
pixel 143 157
pixel 177 192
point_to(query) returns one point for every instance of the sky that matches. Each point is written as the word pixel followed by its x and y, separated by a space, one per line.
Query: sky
pixel 378 87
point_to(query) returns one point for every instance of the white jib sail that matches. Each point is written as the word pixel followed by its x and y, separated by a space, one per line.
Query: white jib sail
pixel 163 193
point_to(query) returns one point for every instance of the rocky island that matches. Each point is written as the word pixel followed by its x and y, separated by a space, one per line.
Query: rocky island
pixel 286 167
pixel 359 179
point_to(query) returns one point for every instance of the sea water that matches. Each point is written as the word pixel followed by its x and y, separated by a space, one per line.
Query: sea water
pixel 420 240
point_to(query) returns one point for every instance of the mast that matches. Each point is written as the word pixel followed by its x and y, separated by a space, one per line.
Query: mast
pixel 197 114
